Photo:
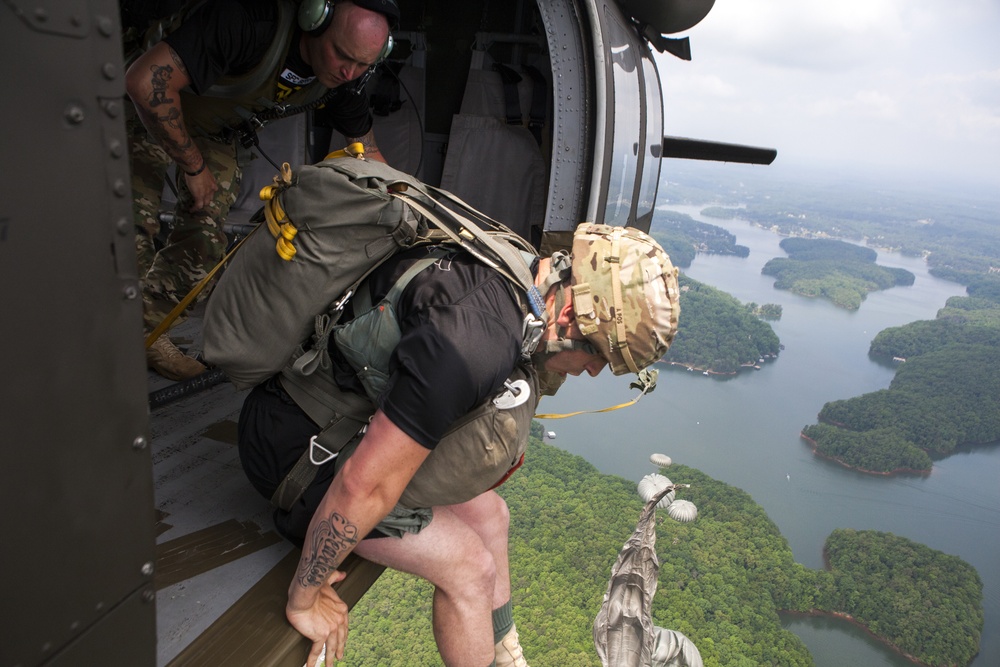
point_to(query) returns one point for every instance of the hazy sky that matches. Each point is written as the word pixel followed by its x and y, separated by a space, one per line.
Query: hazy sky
pixel 905 84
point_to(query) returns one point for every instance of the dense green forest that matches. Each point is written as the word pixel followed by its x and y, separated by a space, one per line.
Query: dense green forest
pixel 841 272
pixel 717 332
pixel 927 603
pixel 722 578
pixel 946 393
pixel 683 237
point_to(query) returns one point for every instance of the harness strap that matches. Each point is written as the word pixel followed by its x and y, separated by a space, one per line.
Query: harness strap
pixel 333 438
pixel 512 101
pixel 536 117
pixel 319 396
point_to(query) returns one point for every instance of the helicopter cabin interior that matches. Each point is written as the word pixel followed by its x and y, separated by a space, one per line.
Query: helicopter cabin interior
pixel 138 539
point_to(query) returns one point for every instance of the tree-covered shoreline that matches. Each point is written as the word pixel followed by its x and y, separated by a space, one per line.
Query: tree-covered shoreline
pixel 718 334
pixel 723 578
pixel 946 393
pixel 841 272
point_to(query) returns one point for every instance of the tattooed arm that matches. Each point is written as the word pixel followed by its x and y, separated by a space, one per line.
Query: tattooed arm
pixel 362 493
pixel 154 82
pixel 371 148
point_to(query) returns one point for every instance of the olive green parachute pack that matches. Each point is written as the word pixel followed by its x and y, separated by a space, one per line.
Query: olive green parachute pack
pixel 330 225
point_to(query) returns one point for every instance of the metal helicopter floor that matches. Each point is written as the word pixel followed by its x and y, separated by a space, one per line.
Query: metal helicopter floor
pixel 214 536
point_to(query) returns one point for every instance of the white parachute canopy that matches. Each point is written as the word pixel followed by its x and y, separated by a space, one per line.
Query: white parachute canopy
pixel 682 510
pixel 673 649
pixel 650 485
pixel 661 460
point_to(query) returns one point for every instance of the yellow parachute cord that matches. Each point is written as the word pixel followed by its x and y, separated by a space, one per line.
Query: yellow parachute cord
pixel 646 382
pixel 186 301
pixel 357 149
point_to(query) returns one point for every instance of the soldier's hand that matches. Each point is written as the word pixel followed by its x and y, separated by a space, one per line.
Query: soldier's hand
pixel 324 622
pixel 203 188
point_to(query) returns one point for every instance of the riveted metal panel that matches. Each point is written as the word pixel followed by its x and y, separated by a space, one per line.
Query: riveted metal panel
pixel 76 477
pixel 572 118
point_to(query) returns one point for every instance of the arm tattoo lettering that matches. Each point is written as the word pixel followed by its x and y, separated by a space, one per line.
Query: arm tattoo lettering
pixel 332 539
pixel 177 61
pixel 158 82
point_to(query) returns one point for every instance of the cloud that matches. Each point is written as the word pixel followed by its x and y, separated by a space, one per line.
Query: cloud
pixel 907 83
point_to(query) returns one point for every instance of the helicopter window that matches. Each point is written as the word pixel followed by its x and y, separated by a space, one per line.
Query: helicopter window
pixel 627 126
pixel 654 137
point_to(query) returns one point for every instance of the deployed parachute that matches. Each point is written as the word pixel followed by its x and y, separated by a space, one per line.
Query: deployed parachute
pixel 624 634
pixel 651 485
pixel 623 629
pixel 682 510
pixel 661 460
pixel 672 649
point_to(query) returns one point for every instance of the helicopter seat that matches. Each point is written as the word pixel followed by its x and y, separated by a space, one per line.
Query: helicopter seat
pixel 495 149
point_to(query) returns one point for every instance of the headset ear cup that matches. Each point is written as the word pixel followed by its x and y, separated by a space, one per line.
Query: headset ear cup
pixel 386 49
pixel 315 16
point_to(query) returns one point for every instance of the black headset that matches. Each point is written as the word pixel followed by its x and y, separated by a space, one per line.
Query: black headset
pixel 315 17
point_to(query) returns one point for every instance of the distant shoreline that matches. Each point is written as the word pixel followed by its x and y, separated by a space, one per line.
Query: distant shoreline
pixel 850 619
pixel 890 473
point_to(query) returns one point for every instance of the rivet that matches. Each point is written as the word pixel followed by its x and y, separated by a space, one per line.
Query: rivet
pixel 99 606
pixel 74 114
pixel 139 443
pixel 41 15
pixel 112 108
pixel 119 188
pixel 130 292
pixel 109 71
pixel 148 596
pixel 105 26
pixel 124 225
pixel 115 148
pixel 147 568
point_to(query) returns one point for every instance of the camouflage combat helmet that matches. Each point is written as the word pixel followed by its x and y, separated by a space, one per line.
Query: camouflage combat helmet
pixel 625 295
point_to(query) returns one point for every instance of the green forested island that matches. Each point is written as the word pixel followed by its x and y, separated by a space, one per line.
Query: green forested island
pixel 683 237
pixel 927 603
pixel 841 272
pixel 722 580
pixel 717 332
pixel 946 392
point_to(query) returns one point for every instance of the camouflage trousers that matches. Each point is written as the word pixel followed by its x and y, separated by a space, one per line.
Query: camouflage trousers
pixel 196 242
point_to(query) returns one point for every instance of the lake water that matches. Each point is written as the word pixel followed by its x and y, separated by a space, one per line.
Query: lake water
pixel 744 430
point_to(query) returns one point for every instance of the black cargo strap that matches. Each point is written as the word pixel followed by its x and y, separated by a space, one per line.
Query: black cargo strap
pixel 539 102
pixel 512 100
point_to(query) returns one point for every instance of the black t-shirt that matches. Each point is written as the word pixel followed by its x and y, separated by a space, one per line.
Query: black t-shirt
pixel 230 37
pixel 461 338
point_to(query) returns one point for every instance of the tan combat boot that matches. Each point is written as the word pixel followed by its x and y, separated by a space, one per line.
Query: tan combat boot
pixel 508 650
pixel 164 358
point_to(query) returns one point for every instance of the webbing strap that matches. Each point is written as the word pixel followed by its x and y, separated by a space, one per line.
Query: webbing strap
pixel 538 103
pixel 333 438
pixel 342 428
pixel 506 258
pixel 195 291
pixel 512 100
pixel 616 290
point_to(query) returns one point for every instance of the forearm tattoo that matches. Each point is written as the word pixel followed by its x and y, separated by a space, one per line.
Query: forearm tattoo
pixel 161 122
pixel 333 539
pixel 158 83
pixel 368 141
